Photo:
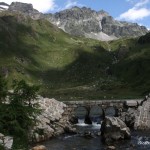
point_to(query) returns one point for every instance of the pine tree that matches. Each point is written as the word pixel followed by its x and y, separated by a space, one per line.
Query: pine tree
pixel 3 89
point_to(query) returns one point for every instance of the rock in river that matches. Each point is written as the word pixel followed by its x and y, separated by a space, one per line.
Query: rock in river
pixel 40 147
pixel 113 129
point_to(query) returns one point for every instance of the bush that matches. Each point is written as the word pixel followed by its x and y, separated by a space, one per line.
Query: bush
pixel 144 39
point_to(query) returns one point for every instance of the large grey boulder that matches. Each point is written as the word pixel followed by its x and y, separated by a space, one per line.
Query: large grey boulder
pixel 53 120
pixel 6 141
pixel 129 117
pixel 113 129
pixel 142 120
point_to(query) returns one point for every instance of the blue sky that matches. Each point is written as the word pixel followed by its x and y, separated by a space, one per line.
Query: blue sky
pixel 127 10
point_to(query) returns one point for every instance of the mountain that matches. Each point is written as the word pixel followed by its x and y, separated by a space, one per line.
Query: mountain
pixel 50 57
pixel 26 9
pixel 94 24
pixel 68 67
pixel 84 22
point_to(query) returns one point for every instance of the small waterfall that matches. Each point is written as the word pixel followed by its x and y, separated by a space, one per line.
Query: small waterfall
pixel 95 123
pixel 81 123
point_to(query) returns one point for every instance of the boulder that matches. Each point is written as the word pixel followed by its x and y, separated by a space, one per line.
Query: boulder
pixel 111 147
pixel 113 129
pixel 52 122
pixel 6 141
pixel 142 121
pixel 70 130
pixel 129 117
pixel 88 134
pixel 40 147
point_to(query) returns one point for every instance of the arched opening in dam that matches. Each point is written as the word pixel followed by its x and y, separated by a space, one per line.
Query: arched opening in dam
pixel 111 111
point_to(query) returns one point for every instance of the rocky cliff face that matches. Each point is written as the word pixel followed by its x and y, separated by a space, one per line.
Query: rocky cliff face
pixel 26 9
pixel 92 24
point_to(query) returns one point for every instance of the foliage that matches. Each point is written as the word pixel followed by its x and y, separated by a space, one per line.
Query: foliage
pixel 2 148
pixel 144 39
pixel 3 89
pixel 19 115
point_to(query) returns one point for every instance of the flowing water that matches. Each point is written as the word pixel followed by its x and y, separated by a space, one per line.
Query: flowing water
pixel 139 140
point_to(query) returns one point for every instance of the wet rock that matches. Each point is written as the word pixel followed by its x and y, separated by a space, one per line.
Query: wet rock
pixel 73 120
pixel 113 129
pixel 70 130
pixel 111 147
pixel 40 147
pixel 88 134
pixel 98 133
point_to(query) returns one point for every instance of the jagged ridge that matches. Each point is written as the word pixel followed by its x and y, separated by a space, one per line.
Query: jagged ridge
pixel 94 24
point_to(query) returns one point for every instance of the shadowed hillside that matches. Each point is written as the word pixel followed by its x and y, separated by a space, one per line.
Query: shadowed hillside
pixel 68 67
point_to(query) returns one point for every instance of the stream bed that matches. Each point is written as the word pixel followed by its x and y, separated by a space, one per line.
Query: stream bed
pixel 139 140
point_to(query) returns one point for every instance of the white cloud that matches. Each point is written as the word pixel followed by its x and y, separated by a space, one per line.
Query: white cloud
pixel 40 5
pixel 141 3
pixel 137 12
pixel 71 3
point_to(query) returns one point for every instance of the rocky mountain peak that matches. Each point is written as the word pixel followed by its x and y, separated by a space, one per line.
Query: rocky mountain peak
pixel 26 9
pixel 103 13
pixel 83 21
pixel 94 24
pixel 22 7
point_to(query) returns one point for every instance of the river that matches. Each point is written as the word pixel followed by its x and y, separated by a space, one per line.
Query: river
pixel 139 140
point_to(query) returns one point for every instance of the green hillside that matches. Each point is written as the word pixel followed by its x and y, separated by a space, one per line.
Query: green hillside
pixel 133 65
pixel 68 67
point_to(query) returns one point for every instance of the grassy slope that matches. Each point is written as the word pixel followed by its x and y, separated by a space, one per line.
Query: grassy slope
pixel 40 53
pixel 66 67
pixel 133 67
